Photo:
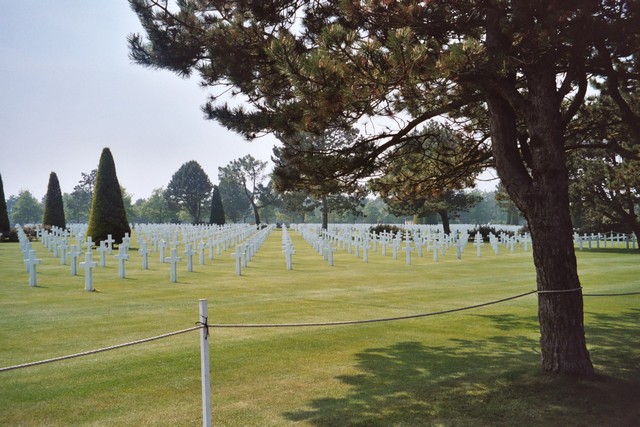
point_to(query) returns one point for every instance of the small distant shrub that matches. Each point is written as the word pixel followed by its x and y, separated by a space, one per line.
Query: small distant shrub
pixel 485 230
pixel 389 228
pixel 12 234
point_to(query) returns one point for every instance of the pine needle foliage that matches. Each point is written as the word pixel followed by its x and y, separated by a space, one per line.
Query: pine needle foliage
pixel 108 215
pixel 5 226
pixel 53 205
pixel 217 209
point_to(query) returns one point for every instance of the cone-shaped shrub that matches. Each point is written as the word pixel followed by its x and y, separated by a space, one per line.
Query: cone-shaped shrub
pixel 107 207
pixel 5 227
pixel 53 206
pixel 217 210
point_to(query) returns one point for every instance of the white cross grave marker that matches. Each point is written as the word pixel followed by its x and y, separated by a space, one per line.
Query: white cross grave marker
pixel 144 253
pixel 102 250
pixel 110 243
pixel 189 254
pixel 288 252
pixel 163 247
pixel 174 260
pixel 121 257
pixel 201 248
pixel 88 266
pixel 237 255
pixel 89 244
pixel 31 263
pixel 74 254
pixel 63 254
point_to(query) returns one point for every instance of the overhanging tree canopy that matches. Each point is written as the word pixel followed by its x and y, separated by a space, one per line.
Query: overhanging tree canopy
pixel 516 70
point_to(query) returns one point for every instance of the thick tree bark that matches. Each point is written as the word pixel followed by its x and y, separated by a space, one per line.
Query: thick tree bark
pixel 255 212
pixel 325 213
pixel 543 197
pixel 444 216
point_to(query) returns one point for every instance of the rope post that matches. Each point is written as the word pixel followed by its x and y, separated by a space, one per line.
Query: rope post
pixel 204 364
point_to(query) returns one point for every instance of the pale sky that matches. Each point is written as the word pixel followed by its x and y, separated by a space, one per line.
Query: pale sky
pixel 68 89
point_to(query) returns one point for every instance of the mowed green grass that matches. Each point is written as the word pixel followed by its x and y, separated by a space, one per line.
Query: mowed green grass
pixel 472 368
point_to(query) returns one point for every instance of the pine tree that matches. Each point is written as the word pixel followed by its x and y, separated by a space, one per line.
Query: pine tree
pixel 108 215
pixel 189 189
pixel 53 206
pixel 217 209
pixel 5 226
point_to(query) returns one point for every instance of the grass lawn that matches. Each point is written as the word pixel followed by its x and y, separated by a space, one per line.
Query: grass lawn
pixel 472 368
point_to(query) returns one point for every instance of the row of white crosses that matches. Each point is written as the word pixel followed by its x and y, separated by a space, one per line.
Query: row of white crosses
pixel 195 239
pixel 247 249
pixel 614 239
pixel 56 240
pixel 287 247
pixel 29 255
pixel 412 239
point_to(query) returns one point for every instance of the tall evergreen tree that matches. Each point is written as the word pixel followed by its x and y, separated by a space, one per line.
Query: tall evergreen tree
pixel 108 215
pixel 53 205
pixel 189 189
pixel 5 226
pixel 217 209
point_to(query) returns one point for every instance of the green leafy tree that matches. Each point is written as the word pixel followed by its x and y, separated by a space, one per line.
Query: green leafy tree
pixel 156 210
pixel 507 205
pixel 217 208
pixel 515 70
pixel 236 205
pixel 78 203
pixel 298 204
pixel 376 211
pixel 486 211
pixel 189 189
pixel 247 173
pixel 604 185
pixel 412 180
pixel 54 206
pixel 26 209
pixel 5 226
pixel 308 162
pixel 108 214
pixel 604 188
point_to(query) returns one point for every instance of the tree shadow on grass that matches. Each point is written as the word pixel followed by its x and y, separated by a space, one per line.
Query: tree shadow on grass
pixel 490 382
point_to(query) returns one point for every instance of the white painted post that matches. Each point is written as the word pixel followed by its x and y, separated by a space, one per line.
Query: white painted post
pixel 204 365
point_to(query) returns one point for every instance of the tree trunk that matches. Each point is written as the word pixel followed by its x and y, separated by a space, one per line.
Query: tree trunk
pixel 560 305
pixel 543 198
pixel 255 212
pixel 636 231
pixel 444 216
pixel 325 213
